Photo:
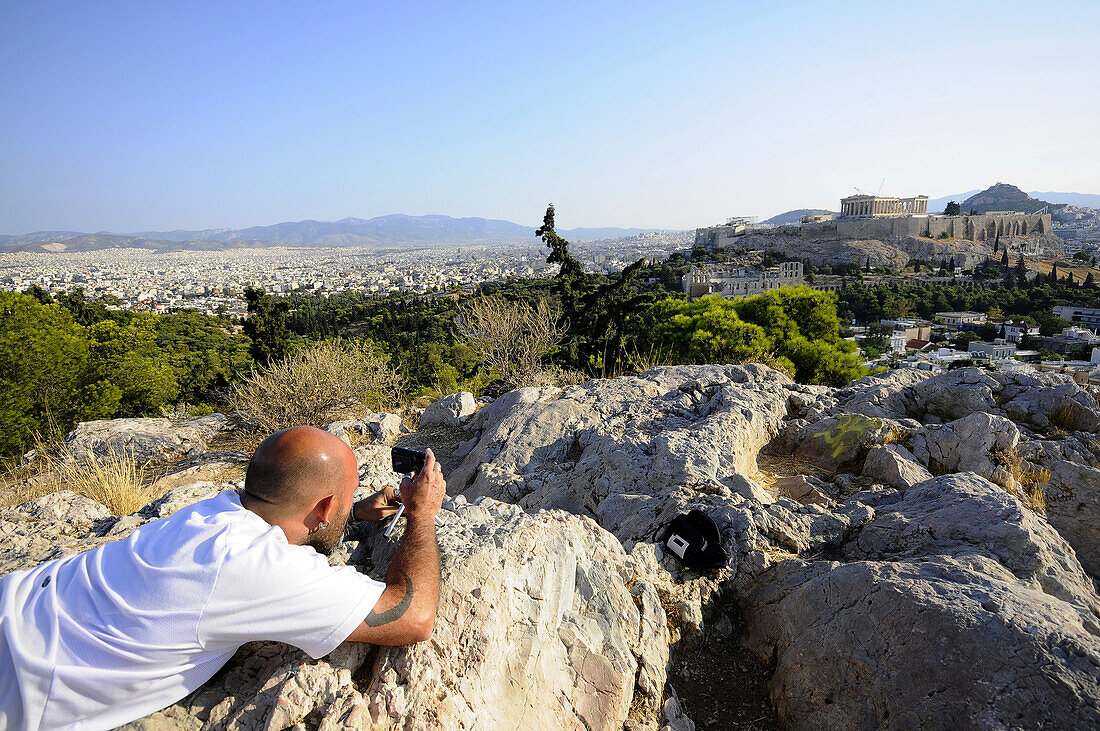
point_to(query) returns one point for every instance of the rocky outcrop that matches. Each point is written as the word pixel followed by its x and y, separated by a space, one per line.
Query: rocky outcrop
pixel 1003 197
pixel 148 440
pixel 842 441
pixel 383 428
pixel 953 607
pixel 1035 400
pixel 630 452
pixel 976 443
pixel 1073 491
pixel 449 411
pixel 894 251
pixel 880 595
pixel 829 250
pixel 543 623
pixel 1073 508
pixel 894 465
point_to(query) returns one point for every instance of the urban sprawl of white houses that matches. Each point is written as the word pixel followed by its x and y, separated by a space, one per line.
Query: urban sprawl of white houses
pixel 1078 345
pixel 214 281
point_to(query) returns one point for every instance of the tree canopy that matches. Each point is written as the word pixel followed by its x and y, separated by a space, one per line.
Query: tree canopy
pixel 797 326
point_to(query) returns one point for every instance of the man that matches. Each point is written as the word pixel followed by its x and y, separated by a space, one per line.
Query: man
pixel 104 637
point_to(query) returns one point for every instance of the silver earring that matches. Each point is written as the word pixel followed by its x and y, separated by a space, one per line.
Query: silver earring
pixel 324 524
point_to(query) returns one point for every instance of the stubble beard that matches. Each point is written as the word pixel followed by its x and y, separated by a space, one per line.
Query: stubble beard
pixel 327 540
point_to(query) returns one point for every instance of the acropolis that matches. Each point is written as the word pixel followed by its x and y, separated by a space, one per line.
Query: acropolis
pixel 871 206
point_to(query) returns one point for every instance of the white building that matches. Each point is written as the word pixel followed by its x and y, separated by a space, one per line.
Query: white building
pixel 739 281
pixel 954 319
pixel 997 350
pixel 1015 331
pixel 1087 316
pixel 897 341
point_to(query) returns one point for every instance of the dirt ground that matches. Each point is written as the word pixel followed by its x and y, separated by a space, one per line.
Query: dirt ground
pixel 722 685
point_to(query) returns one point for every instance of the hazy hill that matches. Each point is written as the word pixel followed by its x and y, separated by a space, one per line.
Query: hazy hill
pixel 391 230
pixel 792 217
pixel 1002 197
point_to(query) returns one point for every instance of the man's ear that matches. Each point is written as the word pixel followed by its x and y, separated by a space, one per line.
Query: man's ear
pixel 325 509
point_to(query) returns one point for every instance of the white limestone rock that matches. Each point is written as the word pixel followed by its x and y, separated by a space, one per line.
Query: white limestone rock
pixel 954 607
pixel 840 442
pixel 804 489
pixel 894 465
pixel 149 440
pixel 631 451
pixel 542 624
pixel 382 428
pixel 449 411
pixel 1036 400
pixel 1073 507
pixel 974 443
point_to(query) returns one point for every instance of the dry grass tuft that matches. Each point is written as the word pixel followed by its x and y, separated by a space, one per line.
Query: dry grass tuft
pixel 775 362
pixel 1065 417
pixel 316 385
pixel 1031 480
pixel 238 438
pixel 770 467
pixel 895 435
pixel 776 554
pixel 115 480
pixel 640 362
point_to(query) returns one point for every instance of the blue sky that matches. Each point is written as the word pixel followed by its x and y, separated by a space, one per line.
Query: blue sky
pixel 158 115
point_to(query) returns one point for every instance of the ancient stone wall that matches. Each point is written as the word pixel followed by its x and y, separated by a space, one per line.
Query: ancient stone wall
pixel 982 227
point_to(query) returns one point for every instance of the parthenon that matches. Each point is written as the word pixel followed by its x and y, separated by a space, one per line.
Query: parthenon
pixel 869 206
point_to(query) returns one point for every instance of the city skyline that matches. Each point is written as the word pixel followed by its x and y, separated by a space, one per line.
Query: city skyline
pixel 135 118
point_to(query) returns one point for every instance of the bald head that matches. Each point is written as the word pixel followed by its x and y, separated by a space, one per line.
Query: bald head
pixel 294 468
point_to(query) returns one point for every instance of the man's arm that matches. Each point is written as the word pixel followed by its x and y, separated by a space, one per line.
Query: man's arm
pixel 406 610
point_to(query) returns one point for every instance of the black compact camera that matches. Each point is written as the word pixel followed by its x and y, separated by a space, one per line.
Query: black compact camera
pixel 406 460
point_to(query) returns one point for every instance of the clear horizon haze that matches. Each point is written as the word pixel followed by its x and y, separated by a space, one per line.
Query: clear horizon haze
pixel 126 116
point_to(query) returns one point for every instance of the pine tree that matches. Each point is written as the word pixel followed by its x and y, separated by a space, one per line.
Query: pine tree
pixel 1004 259
pixel 595 309
pixel 1021 271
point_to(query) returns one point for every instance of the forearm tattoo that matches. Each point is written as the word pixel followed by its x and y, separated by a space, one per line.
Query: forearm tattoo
pixel 375 619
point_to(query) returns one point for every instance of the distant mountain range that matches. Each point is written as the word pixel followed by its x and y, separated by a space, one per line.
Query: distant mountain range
pixel 382 231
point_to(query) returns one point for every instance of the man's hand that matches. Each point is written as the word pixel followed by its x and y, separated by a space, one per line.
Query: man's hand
pixel 423 494
pixel 378 506
pixel 406 610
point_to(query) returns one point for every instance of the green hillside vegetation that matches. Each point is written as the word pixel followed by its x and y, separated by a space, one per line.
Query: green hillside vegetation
pixel 1032 300
pixel 70 360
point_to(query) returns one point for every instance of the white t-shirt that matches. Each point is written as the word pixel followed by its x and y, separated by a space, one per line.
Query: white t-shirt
pixel 110 635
